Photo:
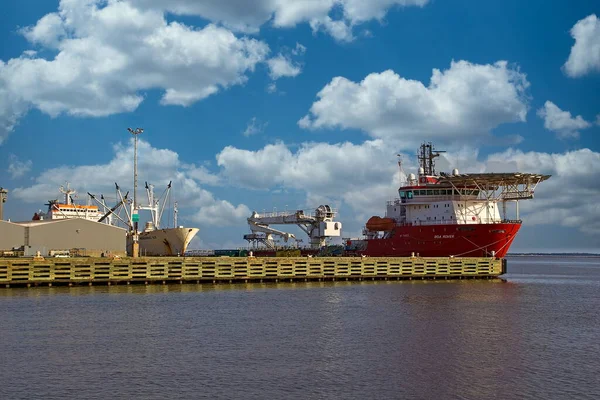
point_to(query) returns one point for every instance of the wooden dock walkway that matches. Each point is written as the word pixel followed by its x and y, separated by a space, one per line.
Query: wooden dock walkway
pixel 88 271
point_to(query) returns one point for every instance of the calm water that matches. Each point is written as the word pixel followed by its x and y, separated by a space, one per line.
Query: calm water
pixel 535 335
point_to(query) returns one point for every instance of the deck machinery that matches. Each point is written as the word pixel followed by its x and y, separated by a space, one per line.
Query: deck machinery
pixel 319 226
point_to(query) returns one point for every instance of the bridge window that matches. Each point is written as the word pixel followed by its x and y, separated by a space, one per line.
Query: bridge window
pixel 409 194
pixel 402 194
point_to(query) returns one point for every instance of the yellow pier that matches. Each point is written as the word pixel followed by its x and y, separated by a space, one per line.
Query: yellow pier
pixel 87 270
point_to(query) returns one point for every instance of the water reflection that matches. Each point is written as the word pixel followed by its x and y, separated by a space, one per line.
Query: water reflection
pixel 530 336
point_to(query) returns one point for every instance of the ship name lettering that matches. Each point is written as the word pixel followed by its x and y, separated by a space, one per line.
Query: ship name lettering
pixel 147 237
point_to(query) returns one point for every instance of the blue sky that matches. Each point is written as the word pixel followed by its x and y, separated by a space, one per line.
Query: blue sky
pixel 264 104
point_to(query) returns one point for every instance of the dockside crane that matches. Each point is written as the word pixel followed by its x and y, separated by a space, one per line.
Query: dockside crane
pixel 319 226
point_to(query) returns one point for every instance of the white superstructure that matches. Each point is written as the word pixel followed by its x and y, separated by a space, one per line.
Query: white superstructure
pixel 68 209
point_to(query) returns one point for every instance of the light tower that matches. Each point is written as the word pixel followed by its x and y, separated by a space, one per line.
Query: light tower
pixel 3 193
pixel 134 212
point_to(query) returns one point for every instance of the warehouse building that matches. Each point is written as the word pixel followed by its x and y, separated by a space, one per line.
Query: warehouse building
pixel 74 236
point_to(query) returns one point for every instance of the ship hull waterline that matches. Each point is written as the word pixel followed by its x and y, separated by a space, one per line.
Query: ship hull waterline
pixel 163 242
pixel 457 240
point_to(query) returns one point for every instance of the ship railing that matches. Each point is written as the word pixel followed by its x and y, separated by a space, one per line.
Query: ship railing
pixel 431 199
pixel 457 222
pixel 287 213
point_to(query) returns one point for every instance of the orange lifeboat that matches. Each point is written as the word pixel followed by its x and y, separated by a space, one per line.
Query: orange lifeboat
pixel 376 223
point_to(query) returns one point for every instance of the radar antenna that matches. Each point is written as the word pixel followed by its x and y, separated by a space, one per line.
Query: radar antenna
pixel 426 157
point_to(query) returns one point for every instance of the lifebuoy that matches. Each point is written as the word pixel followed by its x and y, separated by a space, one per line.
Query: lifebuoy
pixel 474 218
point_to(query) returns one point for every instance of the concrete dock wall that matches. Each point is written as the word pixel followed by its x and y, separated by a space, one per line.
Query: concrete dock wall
pixel 87 270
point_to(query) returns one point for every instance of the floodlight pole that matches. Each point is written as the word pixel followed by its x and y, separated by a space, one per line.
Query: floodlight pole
pixel 3 193
pixel 135 247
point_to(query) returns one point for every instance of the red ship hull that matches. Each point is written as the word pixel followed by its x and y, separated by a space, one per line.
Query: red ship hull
pixel 459 240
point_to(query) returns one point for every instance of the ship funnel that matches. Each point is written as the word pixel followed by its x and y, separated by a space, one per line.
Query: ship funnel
pixel 149 226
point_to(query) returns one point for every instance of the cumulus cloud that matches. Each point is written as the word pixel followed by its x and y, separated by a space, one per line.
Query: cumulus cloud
pixel 103 65
pixel 18 168
pixel 11 109
pixel 155 166
pixel 48 31
pixel 221 213
pixel 465 101
pixel 248 16
pixel 299 50
pixel 561 122
pixel 585 53
pixel 254 126
pixel 317 166
pixel 282 66
pixel 271 88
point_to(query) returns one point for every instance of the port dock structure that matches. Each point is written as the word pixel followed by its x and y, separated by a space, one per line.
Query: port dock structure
pixel 38 271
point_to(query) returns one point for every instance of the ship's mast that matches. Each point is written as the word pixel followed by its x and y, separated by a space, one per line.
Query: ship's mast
pixel 67 192
pixel 427 157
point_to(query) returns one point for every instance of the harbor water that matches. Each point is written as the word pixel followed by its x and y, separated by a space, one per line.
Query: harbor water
pixel 535 334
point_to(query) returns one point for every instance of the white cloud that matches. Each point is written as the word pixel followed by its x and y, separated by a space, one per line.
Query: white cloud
pixel 248 16
pixel 561 122
pixel 48 31
pixel 254 126
pixel 299 50
pixel 271 87
pixel 222 213
pixel 585 53
pixel 18 168
pixel 202 175
pixel 156 166
pixel 360 11
pixel 466 101
pixel 11 109
pixel 282 66
pixel 104 64
pixel 340 30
